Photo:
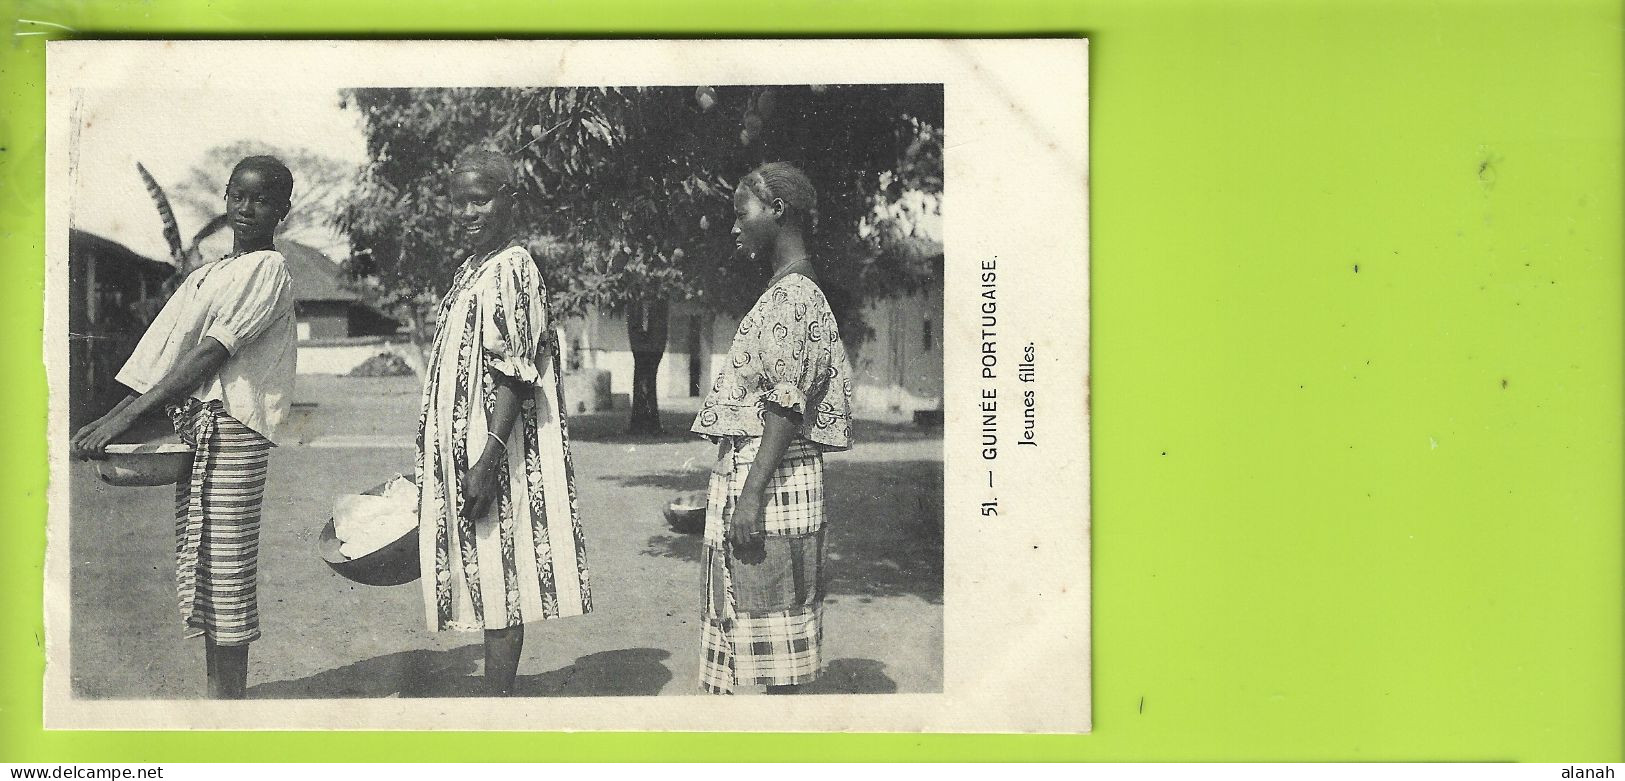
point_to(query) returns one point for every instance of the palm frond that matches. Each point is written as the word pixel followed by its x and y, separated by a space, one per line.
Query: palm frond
pixel 210 228
pixel 172 230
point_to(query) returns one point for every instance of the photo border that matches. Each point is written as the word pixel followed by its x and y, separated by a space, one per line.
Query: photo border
pixel 1025 556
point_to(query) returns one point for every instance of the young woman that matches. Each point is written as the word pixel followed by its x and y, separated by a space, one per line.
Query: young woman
pixel 219 359
pixel 781 399
pixel 500 538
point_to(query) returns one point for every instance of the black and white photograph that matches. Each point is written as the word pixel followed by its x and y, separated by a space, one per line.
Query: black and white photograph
pixel 428 375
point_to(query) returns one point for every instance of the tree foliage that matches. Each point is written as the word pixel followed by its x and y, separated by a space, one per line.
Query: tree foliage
pixel 624 192
pixel 624 195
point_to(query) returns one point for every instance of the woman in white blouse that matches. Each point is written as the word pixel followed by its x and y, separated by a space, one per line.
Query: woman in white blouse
pixel 219 359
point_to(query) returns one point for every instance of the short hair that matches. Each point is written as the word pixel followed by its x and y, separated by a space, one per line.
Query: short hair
pixel 275 172
pixel 786 183
pixel 488 163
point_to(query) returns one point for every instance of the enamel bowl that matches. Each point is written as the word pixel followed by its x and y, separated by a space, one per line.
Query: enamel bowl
pixel 393 564
pixel 686 514
pixel 145 464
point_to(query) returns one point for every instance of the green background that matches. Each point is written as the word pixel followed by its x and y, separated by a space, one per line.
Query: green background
pixel 1339 514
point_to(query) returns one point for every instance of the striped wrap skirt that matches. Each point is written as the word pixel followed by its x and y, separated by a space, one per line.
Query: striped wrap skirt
pixel 217 524
pixel 762 612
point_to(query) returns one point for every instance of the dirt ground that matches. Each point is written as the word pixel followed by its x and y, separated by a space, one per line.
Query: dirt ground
pixel 325 636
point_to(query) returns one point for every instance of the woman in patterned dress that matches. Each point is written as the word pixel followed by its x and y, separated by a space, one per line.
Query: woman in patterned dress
pixel 500 539
pixel 779 402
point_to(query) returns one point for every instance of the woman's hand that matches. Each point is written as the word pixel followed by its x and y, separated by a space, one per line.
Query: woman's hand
pixel 745 525
pixel 481 484
pixel 779 427
pixel 90 442
pixel 485 478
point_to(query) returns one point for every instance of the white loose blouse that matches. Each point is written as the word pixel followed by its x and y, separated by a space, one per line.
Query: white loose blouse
pixel 245 303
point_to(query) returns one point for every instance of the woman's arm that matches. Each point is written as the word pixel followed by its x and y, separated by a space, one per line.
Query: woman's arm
pixel 515 339
pixel 779 427
pixel 482 482
pixel 109 415
pixel 76 444
pixel 124 402
pixel 193 368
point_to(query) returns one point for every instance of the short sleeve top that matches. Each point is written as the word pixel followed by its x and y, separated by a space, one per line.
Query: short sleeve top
pixel 512 306
pixel 245 303
pixel 787 352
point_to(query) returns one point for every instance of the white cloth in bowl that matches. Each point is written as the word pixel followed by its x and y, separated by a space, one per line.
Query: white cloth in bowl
pixel 364 524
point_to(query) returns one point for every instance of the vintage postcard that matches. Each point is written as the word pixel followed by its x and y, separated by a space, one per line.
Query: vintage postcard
pixel 569 385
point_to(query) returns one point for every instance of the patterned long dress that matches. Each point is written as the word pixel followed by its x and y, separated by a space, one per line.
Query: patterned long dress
pixel 525 559
pixel 762 614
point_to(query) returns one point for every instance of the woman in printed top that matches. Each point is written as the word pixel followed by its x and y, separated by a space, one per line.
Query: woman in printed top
pixel 780 401
pixel 219 359
pixel 500 538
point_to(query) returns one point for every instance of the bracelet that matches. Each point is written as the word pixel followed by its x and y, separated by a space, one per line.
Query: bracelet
pixel 493 435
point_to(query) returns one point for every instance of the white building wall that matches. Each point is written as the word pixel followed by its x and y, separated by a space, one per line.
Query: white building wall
pixel 600 341
pixel 899 368
pixel 341 356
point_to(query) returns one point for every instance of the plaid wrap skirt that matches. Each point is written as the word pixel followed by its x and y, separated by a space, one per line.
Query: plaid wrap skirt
pixel 762 612
pixel 217 524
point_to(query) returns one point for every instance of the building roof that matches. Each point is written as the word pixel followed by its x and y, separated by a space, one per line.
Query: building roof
pixel 315 276
pixel 113 251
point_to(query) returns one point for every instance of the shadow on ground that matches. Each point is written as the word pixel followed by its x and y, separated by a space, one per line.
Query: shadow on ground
pixel 609 427
pixel 852 676
pixel 867 431
pixel 425 673
pixel 675 546
pixel 885 535
pixel 677 481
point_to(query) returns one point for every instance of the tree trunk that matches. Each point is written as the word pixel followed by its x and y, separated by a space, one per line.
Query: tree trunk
pixel 646 333
pixel 422 339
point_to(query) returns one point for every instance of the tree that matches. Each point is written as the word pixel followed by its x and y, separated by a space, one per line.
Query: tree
pixel 625 193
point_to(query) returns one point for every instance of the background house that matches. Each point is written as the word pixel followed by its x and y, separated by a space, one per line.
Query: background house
pixel 899 366
pixel 337 329
pixel 113 292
